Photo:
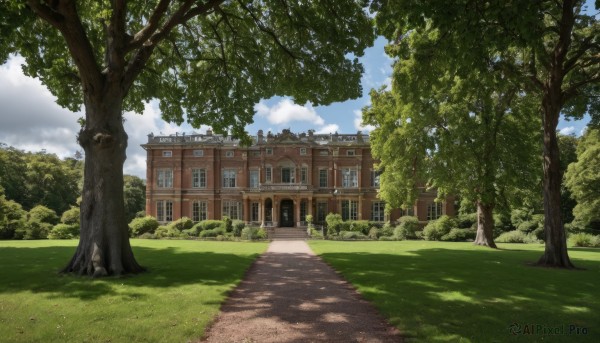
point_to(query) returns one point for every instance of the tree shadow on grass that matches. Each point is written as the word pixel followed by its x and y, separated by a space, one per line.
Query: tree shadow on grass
pixel 36 270
pixel 476 295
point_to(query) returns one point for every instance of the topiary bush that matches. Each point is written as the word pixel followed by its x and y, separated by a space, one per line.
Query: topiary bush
pixel 210 224
pixel 34 230
pixel 314 233
pixel 42 214
pixel 459 235
pixel 249 233
pixel 334 223
pixel 167 231
pixel 64 231
pixel 435 230
pixel 515 236
pixel 228 224
pixel 140 226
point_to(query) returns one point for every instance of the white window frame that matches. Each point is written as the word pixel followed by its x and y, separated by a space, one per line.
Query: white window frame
pixel 167 153
pixel 302 151
pixel 378 211
pixel 434 210
pixel 375 178
pixel 304 175
pixel 349 178
pixel 164 210
pixel 323 172
pixel 232 209
pixel 198 178
pixel 292 174
pixel 253 178
pixel 199 153
pixel 349 210
pixel 229 153
pixel 350 152
pixel 268 174
pixel 269 151
pixel 229 175
pixel 164 178
pixel 199 211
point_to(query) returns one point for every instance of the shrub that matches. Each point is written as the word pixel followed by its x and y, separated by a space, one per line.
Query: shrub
pixel 70 216
pixel 12 218
pixel 374 233
pixel 351 235
pixel 532 238
pixel 520 215
pixel 140 226
pixel 210 233
pixel 438 228
pixel 34 230
pixel 248 233
pixel 314 233
pixel 386 238
pixel 460 235
pixel 387 230
pixel 309 219
pixel 361 226
pixel 261 234
pixel 466 220
pixel 584 240
pixel 140 214
pixel 193 232
pixel 334 223
pixel 502 223
pixel 228 224
pixel 147 235
pixel 515 236
pixel 407 228
pixel 237 227
pixel 167 231
pixel 183 223
pixel 419 234
pixel 42 214
pixel 210 224
pixel 64 231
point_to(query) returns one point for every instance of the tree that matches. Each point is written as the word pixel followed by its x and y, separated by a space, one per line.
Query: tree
pixel 210 61
pixel 13 168
pixel 134 193
pixel 583 180
pixel 568 154
pixel 466 133
pixel 559 63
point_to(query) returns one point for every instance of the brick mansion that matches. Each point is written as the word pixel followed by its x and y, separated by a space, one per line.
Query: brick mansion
pixel 275 182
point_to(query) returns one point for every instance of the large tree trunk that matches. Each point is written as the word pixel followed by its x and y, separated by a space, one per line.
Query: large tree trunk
pixel 104 247
pixel 485 225
pixel 555 254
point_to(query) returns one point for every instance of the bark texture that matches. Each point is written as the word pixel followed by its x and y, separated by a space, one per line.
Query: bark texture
pixel 485 225
pixel 104 247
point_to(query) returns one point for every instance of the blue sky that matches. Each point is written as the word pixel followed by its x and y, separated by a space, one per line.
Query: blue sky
pixel 31 120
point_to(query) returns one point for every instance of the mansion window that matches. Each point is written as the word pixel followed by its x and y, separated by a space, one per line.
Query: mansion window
pixel 375 176
pixel 434 210
pixel 349 178
pixel 198 153
pixel 199 211
pixel 269 151
pixel 288 175
pixel 321 211
pixel 304 175
pixel 350 152
pixel 254 178
pixel 198 178
pixel 232 209
pixel 410 211
pixel 228 178
pixel 303 209
pixel 167 153
pixel 254 212
pixel 164 210
pixel 302 151
pixel 268 174
pixel 349 210
pixel 323 152
pixel 378 211
pixel 164 178
pixel 322 178
pixel 229 153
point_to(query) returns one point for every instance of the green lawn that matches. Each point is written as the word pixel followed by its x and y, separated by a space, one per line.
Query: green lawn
pixel 182 292
pixel 439 292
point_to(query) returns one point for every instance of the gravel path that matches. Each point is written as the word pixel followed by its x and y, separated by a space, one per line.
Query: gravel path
pixel 291 295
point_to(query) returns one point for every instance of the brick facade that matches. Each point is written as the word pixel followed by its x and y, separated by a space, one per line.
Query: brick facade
pixel 276 181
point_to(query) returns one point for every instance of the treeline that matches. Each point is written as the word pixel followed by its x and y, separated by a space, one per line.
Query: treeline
pixel 39 191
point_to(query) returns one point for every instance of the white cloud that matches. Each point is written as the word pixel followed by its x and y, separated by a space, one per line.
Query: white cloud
pixel 358 124
pixel 285 112
pixel 567 130
pixel 331 128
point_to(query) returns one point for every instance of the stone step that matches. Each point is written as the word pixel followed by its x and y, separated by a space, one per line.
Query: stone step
pixel 287 233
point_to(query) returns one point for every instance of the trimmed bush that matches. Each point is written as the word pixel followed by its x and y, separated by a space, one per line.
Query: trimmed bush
pixel 387 230
pixel 34 230
pixel 261 233
pixel 64 231
pixel 351 235
pixel 584 240
pixel 193 232
pixel 374 233
pixel 466 220
pixel 12 218
pixel 140 226
pixel 183 223
pixel 361 226
pixel 314 233
pixel 515 236
pixel 334 223
pixel 167 231
pixel 407 228
pixel 70 216
pixel 228 224
pixel 460 235
pixel 42 214
pixel 147 235
pixel 248 233
pixel 435 230
pixel 237 227
pixel 210 224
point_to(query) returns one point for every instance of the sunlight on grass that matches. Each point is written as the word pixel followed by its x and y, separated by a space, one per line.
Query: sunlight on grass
pixel 175 301
pixel 458 292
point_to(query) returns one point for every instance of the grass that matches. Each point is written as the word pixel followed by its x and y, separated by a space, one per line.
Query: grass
pixel 174 302
pixel 458 292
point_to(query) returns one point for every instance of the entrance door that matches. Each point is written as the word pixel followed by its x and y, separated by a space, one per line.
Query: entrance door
pixel 286 213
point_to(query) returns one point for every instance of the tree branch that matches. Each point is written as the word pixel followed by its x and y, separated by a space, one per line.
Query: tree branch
pixel 141 36
pixel 49 14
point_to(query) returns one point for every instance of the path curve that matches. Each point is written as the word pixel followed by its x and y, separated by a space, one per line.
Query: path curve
pixel 291 295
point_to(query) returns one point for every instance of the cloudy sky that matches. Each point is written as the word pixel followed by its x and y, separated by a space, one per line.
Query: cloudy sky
pixel 31 120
